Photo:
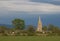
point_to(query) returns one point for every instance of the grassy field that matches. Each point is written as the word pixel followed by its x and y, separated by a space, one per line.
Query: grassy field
pixel 29 38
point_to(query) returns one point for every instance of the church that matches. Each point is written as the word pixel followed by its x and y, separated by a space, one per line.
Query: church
pixel 39 26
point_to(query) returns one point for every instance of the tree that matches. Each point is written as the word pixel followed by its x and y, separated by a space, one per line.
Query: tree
pixel 50 27
pixel 2 29
pixel 45 28
pixel 53 28
pixel 31 30
pixel 18 24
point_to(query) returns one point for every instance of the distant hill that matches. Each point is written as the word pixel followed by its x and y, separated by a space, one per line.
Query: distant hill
pixel 8 26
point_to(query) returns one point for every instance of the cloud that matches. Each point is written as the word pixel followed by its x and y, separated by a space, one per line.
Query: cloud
pixel 14 0
pixel 28 6
pixel 56 0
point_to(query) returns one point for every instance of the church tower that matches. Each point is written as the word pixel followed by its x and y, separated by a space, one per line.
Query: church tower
pixel 39 27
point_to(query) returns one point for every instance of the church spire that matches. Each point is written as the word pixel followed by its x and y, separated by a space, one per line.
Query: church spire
pixel 39 27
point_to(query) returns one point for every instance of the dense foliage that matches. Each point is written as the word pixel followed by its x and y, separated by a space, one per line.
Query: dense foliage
pixel 18 23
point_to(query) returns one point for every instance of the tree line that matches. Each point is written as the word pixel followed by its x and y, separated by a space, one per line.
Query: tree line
pixel 18 29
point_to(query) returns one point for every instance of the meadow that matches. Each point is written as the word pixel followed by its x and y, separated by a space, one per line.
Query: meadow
pixel 29 38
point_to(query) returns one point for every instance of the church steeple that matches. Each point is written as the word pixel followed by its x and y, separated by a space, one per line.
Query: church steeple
pixel 39 27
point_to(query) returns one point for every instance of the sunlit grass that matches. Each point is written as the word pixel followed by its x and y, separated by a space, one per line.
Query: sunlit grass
pixel 29 38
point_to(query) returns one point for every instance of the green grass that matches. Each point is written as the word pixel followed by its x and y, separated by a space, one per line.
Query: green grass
pixel 29 38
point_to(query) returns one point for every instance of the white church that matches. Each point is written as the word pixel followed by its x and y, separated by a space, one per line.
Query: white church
pixel 39 27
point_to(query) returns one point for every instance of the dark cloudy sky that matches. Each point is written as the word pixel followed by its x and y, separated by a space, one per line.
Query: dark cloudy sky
pixel 29 10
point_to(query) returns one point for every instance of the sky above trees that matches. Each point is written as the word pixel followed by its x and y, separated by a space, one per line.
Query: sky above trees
pixel 10 9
